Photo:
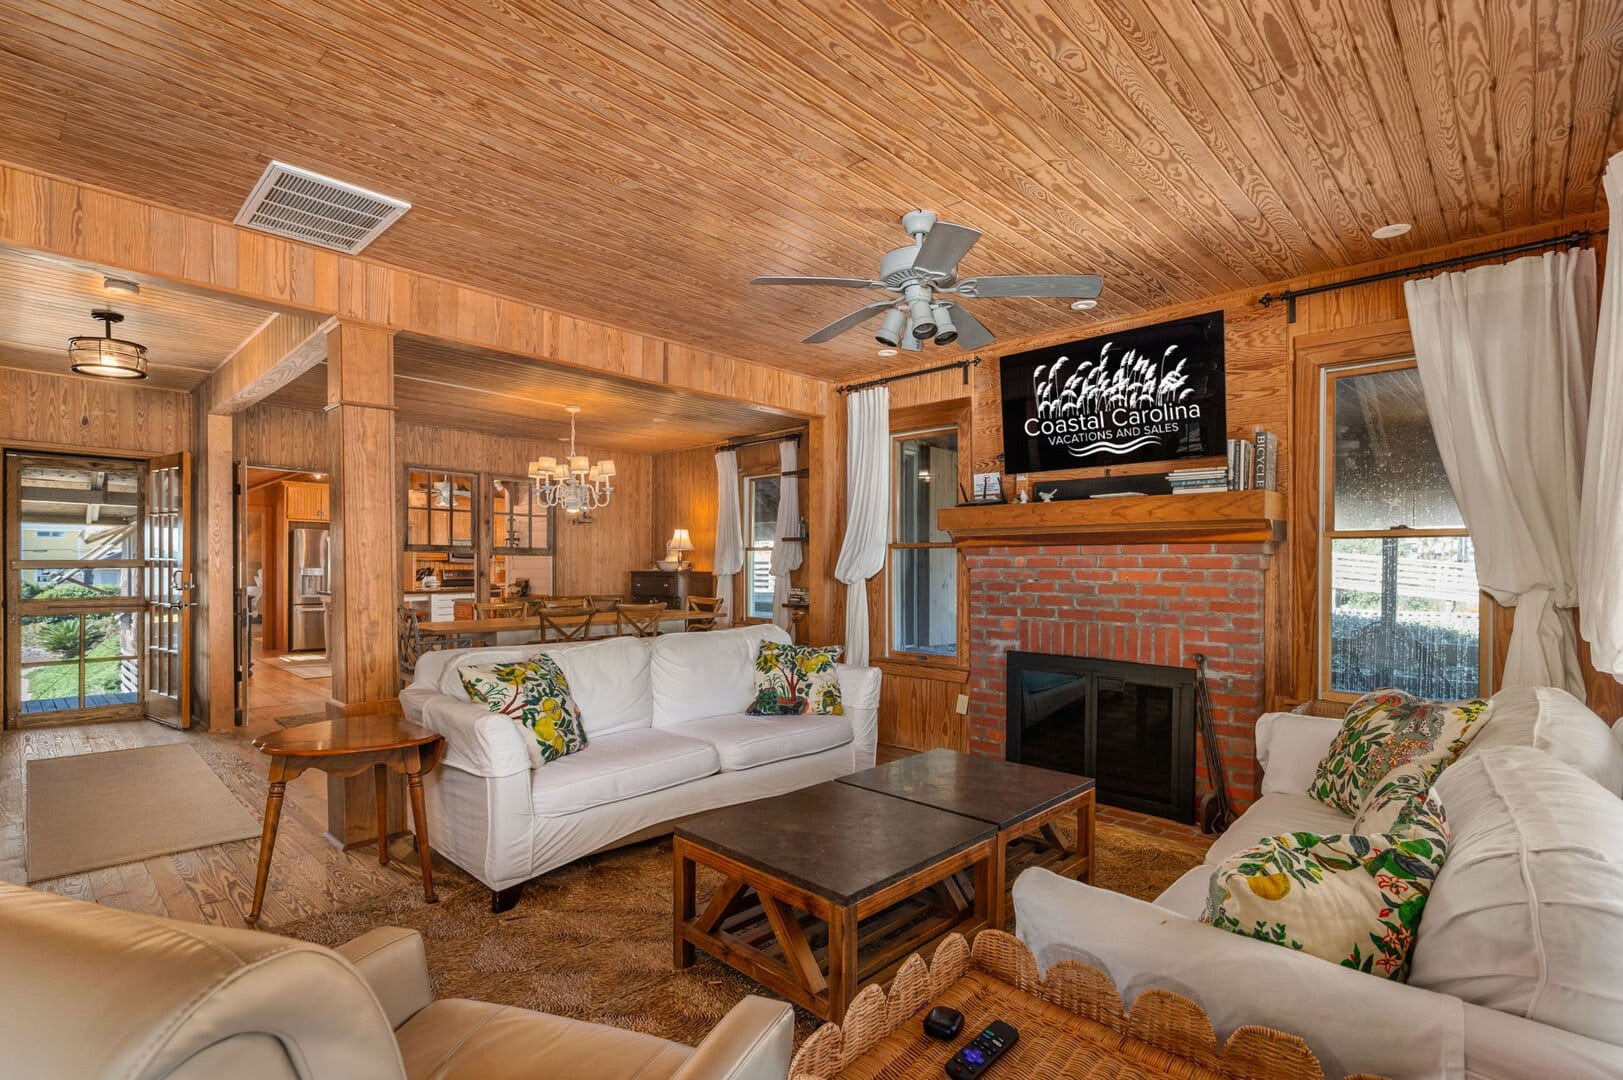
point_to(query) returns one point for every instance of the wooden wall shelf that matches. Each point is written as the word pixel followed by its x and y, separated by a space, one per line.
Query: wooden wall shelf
pixel 1214 517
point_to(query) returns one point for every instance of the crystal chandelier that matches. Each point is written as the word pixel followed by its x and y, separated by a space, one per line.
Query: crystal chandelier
pixel 574 483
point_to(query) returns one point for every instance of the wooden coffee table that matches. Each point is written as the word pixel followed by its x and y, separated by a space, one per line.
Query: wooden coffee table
pixel 348 747
pixel 828 887
pixel 1021 801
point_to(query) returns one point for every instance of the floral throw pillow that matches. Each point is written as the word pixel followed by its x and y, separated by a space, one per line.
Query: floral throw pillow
pixel 1354 900
pixel 1396 798
pixel 1383 730
pixel 535 694
pixel 795 679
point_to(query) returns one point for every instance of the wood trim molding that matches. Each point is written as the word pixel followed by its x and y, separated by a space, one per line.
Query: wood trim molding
pixel 283 349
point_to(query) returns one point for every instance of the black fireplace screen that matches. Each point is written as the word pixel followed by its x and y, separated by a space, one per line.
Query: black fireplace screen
pixel 1129 726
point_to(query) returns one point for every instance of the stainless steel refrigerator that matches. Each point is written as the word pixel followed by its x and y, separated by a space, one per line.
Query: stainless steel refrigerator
pixel 309 567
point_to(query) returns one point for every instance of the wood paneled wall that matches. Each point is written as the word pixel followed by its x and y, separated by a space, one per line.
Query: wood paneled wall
pixel 594 558
pixel 685 498
pixel 71 412
pixel 1261 384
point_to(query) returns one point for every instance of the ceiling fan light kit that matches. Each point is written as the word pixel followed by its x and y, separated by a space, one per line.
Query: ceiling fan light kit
pixel 921 274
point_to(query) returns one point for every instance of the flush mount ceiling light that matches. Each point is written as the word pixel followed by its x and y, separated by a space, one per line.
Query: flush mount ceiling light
pixel 1084 305
pixel 1388 232
pixel 121 285
pixel 108 357
pixel 887 352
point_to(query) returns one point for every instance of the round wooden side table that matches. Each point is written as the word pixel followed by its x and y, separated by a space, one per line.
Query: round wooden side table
pixel 347 747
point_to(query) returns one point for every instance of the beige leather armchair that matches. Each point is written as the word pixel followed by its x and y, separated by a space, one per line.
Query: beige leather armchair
pixel 89 991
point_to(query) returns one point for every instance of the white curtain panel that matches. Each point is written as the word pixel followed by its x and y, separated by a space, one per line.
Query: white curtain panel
pixel 786 557
pixel 1600 519
pixel 867 510
pixel 1504 354
pixel 729 529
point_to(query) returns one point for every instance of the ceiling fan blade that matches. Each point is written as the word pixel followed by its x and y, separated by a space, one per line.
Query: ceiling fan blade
pixel 1069 286
pixel 972 333
pixel 838 282
pixel 841 325
pixel 943 246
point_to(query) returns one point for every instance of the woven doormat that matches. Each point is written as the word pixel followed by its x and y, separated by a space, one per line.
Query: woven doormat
pixel 95 810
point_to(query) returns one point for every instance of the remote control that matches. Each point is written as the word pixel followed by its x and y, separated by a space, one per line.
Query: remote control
pixel 982 1051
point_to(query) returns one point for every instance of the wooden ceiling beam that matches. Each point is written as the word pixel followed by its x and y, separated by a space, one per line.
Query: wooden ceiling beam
pixel 74 219
pixel 281 350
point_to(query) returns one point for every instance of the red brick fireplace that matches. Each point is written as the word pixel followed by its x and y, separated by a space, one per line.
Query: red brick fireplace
pixel 1154 603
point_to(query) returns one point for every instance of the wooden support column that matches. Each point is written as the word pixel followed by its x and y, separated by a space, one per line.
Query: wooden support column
pixel 364 544
pixel 214 669
pixel 825 522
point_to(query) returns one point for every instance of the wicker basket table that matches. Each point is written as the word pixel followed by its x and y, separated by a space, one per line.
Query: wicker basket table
pixel 1071 1024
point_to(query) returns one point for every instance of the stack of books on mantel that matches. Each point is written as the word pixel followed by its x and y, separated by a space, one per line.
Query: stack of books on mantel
pixel 1187 481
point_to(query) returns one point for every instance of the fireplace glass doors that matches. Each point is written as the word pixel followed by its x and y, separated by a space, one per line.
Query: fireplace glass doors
pixel 1129 726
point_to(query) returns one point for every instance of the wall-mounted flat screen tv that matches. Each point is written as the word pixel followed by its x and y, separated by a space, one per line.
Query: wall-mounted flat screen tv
pixel 1154 393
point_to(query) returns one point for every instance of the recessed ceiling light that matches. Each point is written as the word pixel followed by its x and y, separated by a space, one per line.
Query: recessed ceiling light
pixel 1084 305
pixel 658 420
pixel 121 285
pixel 1387 232
pixel 887 352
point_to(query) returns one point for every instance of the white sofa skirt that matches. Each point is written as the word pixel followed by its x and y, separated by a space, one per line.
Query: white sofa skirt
pixel 488 826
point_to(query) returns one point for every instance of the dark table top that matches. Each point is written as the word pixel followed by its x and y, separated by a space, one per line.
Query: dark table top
pixel 1003 793
pixel 835 840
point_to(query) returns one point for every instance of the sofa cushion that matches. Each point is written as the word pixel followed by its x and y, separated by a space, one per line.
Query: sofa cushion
pixel 454 1039
pixel 743 742
pixel 535 694
pixel 1187 896
pixel 791 679
pixel 620 766
pixel 1552 720
pixel 1353 900
pixel 1272 815
pixel 710 674
pixel 1385 729
pixel 610 681
pixel 1527 916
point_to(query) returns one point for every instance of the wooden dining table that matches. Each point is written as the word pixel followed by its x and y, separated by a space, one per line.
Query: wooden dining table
pixel 463 627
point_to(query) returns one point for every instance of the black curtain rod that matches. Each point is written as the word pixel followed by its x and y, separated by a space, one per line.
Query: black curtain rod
pixel 962 365
pixel 753 440
pixel 1290 295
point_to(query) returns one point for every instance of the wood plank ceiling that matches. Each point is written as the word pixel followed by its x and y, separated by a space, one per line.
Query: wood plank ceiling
pixel 45 300
pixel 479 390
pixel 636 162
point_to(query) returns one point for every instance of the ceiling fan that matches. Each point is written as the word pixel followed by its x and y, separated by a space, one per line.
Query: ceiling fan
pixel 922 275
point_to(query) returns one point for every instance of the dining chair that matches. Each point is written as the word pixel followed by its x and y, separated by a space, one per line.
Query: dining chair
pixel 638 620
pixel 604 603
pixel 409 641
pixel 553 628
pixel 498 609
pixel 710 605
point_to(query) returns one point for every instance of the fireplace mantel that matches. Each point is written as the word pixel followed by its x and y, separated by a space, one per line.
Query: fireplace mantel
pixel 1208 517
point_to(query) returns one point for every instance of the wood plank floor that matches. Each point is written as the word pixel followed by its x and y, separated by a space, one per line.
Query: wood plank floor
pixel 213 884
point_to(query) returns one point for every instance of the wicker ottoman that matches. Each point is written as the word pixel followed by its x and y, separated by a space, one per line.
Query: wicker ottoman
pixel 1071 1024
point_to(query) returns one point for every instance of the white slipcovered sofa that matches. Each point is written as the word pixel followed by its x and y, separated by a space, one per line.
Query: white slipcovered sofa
pixel 1518 962
pixel 667 737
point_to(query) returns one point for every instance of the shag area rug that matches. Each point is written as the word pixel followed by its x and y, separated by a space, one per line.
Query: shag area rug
pixel 592 941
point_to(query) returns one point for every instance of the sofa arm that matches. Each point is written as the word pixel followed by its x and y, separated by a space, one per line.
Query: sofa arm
pixel 394 965
pixel 753 1042
pixel 859 694
pixel 477 740
pixel 1354 1022
pixel 1289 749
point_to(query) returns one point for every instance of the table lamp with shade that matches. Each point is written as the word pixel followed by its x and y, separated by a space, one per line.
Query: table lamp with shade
pixel 676 547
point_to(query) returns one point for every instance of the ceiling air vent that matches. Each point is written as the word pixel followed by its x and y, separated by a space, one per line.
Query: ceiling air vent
pixel 302 205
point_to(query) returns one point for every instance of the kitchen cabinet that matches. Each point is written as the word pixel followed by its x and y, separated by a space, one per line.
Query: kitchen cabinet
pixel 306 501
